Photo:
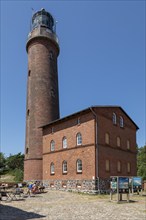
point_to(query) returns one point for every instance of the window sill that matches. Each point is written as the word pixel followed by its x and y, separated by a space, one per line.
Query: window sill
pixel 79 172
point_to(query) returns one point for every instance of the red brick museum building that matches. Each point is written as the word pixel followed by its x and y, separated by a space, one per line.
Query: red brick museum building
pixel 79 151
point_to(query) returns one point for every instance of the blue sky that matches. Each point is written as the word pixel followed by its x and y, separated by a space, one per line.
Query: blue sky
pixel 101 61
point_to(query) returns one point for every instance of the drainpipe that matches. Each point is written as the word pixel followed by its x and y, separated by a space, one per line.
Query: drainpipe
pixel 96 147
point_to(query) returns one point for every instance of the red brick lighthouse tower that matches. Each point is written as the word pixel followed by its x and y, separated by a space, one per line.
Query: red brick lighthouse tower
pixel 42 89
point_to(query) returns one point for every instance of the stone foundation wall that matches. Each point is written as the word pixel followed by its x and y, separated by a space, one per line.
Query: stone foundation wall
pixel 88 186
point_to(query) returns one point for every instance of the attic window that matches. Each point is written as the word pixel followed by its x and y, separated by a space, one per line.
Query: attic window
pixel 121 122
pixel 52 130
pixel 114 118
pixel 78 121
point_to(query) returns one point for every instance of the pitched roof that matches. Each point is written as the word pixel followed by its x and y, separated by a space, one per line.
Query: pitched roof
pixel 88 110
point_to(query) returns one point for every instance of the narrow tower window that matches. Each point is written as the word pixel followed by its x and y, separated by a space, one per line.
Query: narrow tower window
pixel 29 71
pixel 28 112
pixel 27 150
pixel 51 55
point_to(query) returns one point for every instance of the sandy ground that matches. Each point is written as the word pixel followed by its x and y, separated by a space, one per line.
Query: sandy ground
pixel 58 205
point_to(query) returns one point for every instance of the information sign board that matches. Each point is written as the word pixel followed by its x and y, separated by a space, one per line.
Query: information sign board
pixel 123 185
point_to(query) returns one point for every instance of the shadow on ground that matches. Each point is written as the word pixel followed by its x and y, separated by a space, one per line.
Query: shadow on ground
pixel 11 213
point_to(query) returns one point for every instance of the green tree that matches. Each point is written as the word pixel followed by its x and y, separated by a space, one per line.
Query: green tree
pixel 141 162
pixel 15 161
pixel 2 163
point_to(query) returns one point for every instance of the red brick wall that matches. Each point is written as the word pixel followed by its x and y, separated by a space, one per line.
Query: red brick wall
pixel 85 152
pixel 110 151
pixel 32 170
pixel 42 98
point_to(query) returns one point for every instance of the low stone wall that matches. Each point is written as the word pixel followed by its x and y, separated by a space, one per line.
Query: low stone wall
pixel 89 186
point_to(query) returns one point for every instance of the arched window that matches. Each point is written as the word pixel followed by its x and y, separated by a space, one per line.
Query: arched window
pixel 121 122
pixel 52 168
pixel 128 144
pixel 52 147
pixel 107 138
pixel 118 142
pixel 79 166
pixel 119 166
pixel 79 139
pixel 64 142
pixel 64 166
pixel 128 167
pixel 114 118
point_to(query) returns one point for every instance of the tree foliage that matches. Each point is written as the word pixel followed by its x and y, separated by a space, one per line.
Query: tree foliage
pixel 141 162
pixel 15 161
pixel 13 164
pixel 2 160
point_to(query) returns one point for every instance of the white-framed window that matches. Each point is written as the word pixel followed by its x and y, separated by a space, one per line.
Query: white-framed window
pixel 107 138
pixel 79 166
pixel 114 118
pixel 119 166
pixel 128 167
pixel 118 142
pixel 79 139
pixel 107 165
pixel 52 168
pixel 64 142
pixel 121 122
pixel 64 166
pixel 128 144
pixel 52 147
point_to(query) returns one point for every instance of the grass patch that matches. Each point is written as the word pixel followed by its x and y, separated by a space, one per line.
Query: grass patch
pixel 7 178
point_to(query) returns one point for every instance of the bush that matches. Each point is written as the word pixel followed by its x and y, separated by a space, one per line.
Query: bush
pixel 18 175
